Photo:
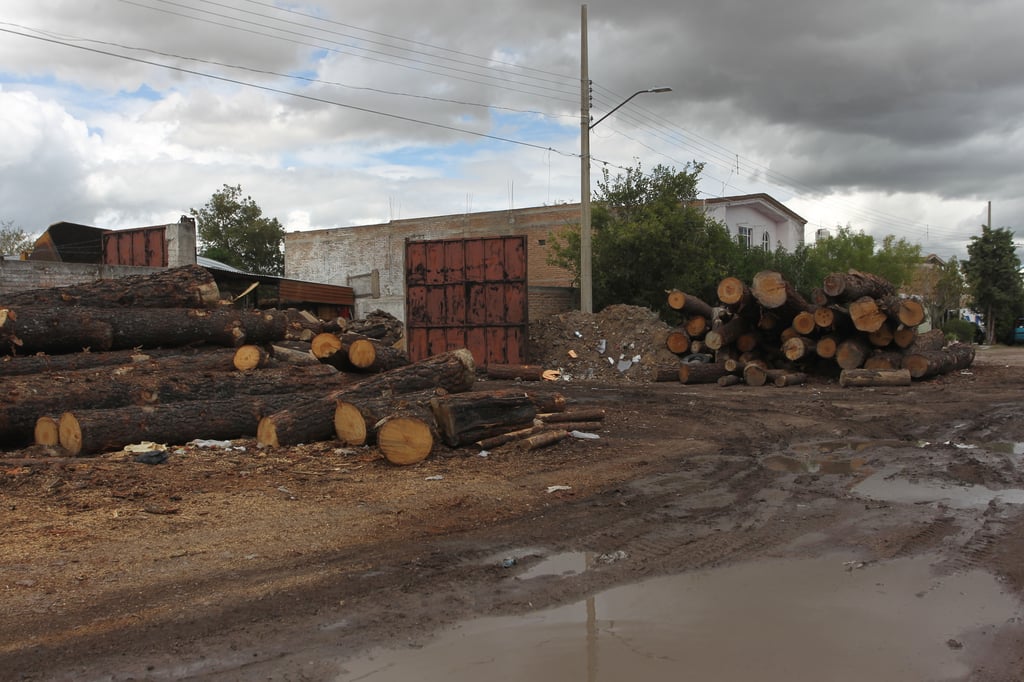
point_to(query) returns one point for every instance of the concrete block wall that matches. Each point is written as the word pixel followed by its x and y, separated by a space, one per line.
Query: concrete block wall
pixel 22 275
pixel 333 256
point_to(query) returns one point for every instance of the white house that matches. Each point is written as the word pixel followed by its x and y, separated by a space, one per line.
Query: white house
pixel 758 220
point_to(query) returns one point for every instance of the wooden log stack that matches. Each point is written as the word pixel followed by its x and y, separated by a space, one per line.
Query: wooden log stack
pixel 767 333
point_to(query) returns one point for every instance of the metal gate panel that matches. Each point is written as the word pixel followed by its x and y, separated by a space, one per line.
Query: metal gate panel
pixel 467 293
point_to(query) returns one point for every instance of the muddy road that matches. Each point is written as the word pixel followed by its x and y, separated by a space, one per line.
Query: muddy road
pixel 290 564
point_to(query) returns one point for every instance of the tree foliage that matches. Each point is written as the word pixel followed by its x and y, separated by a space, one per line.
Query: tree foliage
pixel 994 279
pixel 651 235
pixel 13 239
pixel 949 291
pixel 233 230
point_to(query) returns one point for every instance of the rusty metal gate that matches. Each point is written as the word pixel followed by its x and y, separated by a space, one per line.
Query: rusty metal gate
pixel 467 293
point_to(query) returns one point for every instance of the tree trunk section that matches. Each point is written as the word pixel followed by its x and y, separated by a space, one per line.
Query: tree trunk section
pixel 250 356
pixel 190 286
pixel 701 373
pixel 933 339
pixel 696 326
pixel 354 422
pixel 852 353
pixel 467 418
pixel 804 322
pixel 87 432
pixel 874 377
pixel 789 379
pixel 883 336
pixel 734 293
pixel 689 304
pixel 852 285
pixel 313 420
pixel 727 334
pixel 370 356
pixel 911 312
pixel 826 347
pixel 512 372
pixel 678 341
pixel 799 347
pixel 407 436
pixel 772 291
pixel 47 431
pixel 756 375
pixel 867 315
pixel 927 364
pixel 904 337
pixel 882 359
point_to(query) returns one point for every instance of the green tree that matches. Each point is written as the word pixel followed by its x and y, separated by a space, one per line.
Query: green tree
pixel 233 230
pixel 649 236
pixel 994 280
pixel 948 292
pixel 13 240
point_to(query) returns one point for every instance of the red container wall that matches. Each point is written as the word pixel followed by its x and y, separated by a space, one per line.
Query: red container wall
pixel 142 246
pixel 467 293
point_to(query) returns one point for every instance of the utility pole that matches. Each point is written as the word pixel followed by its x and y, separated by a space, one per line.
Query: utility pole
pixel 586 268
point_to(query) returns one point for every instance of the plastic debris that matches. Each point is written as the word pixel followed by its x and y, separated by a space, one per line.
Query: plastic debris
pixel 483 453
pixel 578 335
pixel 436 477
pixel 151 457
pixel 624 364
pixel 602 345
pixel 612 557
pixel 558 488
pixel 573 354
pixel 508 562
pixel 584 435
pixel 201 443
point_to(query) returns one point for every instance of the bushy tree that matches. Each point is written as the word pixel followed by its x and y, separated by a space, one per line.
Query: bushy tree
pixel 13 240
pixel 948 291
pixel 994 279
pixel 233 230
pixel 649 236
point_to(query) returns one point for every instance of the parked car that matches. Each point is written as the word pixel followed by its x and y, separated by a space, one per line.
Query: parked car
pixel 1018 331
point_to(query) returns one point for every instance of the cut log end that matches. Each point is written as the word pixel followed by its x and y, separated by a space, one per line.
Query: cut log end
pixel 325 345
pixel 731 290
pixel 405 440
pixel 47 431
pixel 70 433
pixel 349 424
pixel 250 356
pixel 266 432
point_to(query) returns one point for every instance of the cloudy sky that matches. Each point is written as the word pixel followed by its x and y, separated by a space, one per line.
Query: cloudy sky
pixel 894 117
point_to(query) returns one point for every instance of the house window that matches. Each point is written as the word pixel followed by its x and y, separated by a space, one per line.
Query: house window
pixel 744 235
pixel 766 241
pixel 542 242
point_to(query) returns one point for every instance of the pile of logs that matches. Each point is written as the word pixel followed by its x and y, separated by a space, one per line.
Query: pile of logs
pixel 854 326
pixel 93 368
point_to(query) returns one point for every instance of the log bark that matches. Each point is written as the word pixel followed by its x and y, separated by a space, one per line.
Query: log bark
pixel 933 339
pixel 25 400
pixel 701 373
pixel 874 377
pixel 927 364
pixel 789 379
pixel 71 362
pixel 87 432
pixel 312 420
pixel 756 375
pixel 56 329
pixel 293 356
pixel 467 418
pixel 688 304
pixel 729 380
pixel 726 334
pixel 590 415
pixel 542 439
pixel 851 285
pixel 189 286
pixel 512 372
pixel 663 374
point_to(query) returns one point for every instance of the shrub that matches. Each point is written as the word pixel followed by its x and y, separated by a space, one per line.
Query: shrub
pixel 960 330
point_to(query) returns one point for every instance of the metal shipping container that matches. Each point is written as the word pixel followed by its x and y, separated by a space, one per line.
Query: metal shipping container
pixel 467 293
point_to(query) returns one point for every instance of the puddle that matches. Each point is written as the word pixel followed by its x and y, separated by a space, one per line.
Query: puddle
pixel 1006 448
pixel 564 563
pixel 825 447
pixel 811 465
pixel 884 486
pixel 774 620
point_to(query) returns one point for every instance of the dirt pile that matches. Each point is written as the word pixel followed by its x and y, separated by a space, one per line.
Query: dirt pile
pixel 622 343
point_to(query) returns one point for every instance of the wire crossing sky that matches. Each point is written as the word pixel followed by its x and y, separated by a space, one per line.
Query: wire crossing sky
pixel 888 118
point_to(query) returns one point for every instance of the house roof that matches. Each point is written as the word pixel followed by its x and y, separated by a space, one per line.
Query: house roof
pixel 761 200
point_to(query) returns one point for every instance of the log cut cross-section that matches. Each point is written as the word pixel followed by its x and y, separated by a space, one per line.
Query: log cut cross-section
pixel 469 417
pixel 313 419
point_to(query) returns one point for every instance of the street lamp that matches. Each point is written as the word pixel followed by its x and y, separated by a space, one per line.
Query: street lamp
pixel 586 267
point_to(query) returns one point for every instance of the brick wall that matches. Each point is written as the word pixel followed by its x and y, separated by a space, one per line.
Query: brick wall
pixel 335 255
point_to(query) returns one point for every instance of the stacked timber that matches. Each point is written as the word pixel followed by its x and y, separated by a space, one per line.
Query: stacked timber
pixel 768 333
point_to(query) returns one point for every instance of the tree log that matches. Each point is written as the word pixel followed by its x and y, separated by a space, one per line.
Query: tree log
pixel 729 380
pixel 590 415
pixel 904 336
pixel 521 372
pixel 867 314
pixel 139 384
pixel 667 373
pixel 354 422
pixel 701 373
pixel 696 326
pixel 874 377
pixel 467 418
pixel 293 356
pixel 933 339
pixel 678 341
pixel 47 431
pixel 734 293
pixel 926 364
pixel 313 420
pixel 804 322
pixel 911 312
pixel 86 432
pixel 852 352
pixel 883 359
pixel 189 286
pixel 407 436
pixel 826 347
pixel 756 375
pixel 799 347
pixel 689 304
pixel 371 356
pixel 773 291
pixel 883 336
pixel 250 356
pixel 726 334
pixel 789 379
pixel 851 285
pixel 542 439
pixel 42 363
